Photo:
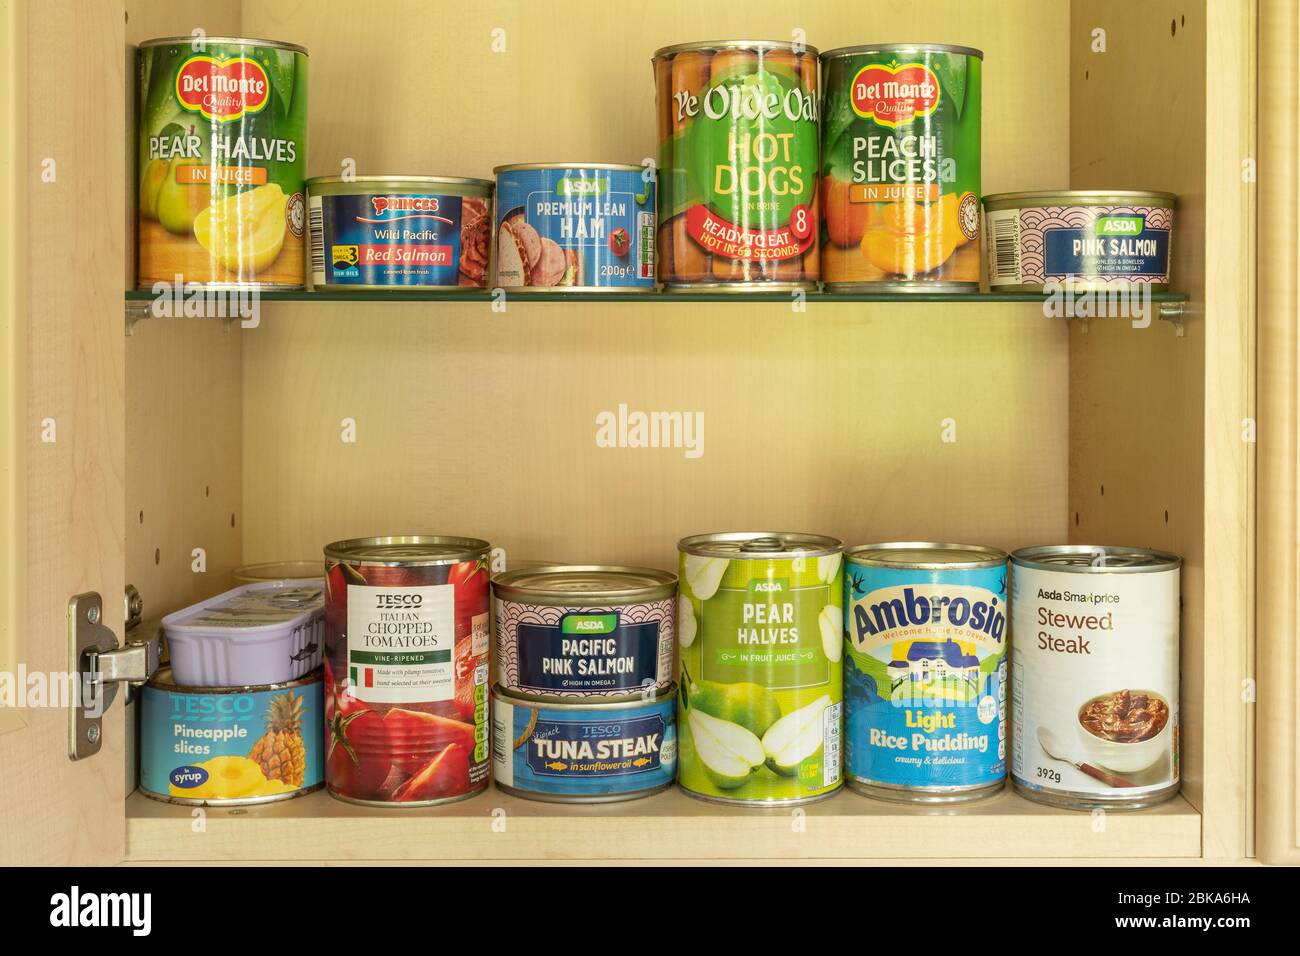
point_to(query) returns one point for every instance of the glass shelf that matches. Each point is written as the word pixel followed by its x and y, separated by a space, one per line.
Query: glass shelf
pixel 485 296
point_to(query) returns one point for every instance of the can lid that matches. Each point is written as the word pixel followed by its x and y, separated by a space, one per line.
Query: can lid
pixel 394 181
pixel 163 679
pixel 408 549
pixel 759 545
pixel 1089 197
pixel 226 41
pixel 582 705
pixel 926 555
pixel 621 167
pixel 579 584
pixel 902 48
pixel 763 46
pixel 1095 559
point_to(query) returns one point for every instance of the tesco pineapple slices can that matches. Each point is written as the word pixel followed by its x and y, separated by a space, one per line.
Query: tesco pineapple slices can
pixel 222 162
pixel 230 746
pixel 406 669
pixel 760 630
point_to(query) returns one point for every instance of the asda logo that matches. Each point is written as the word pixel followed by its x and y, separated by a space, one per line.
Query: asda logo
pixel 589 623
pixel 769 585
pixel 580 187
pixel 1120 226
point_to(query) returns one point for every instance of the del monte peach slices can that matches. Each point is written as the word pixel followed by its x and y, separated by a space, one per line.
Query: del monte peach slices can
pixel 406 669
pixel 900 167
pixel 222 153
pixel 737 165
pixel 760 631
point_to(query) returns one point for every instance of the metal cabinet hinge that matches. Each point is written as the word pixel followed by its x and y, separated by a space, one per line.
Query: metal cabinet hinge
pixel 100 665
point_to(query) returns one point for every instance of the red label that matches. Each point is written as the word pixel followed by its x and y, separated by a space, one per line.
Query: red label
pixel 716 235
pixel 893 96
pixel 405 255
pixel 220 89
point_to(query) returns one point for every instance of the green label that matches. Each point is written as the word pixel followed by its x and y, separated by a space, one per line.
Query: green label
pixel 400 657
pixel 589 623
pixel 1119 226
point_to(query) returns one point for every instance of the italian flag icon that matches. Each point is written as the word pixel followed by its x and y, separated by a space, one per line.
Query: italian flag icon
pixel 367 678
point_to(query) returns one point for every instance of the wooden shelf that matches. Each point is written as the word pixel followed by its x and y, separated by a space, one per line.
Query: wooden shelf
pixel 667 826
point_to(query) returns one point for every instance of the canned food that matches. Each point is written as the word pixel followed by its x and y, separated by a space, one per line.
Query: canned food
pixel 901 168
pixel 231 746
pixel 738 165
pixel 406 669
pixel 1094 676
pixel 583 753
pixel 262 633
pixel 925 678
pixel 760 629
pixel 399 232
pixel 576 227
pixel 1090 238
pixel 590 632
pixel 222 155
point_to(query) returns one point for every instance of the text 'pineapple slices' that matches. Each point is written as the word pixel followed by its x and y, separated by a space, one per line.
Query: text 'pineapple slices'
pixel 244 231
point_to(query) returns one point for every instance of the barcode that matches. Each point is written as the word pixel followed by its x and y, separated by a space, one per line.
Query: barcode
pixel 499 749
pixel 317 226
pixel 1006 248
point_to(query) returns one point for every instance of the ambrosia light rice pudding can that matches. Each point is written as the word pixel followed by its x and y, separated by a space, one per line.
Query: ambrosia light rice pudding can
pixel 406 669
pixel 737 165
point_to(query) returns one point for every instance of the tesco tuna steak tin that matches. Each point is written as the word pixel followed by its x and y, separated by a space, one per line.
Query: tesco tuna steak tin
pixel 584 632
pixel 925 671
pixel 406 669
pixel 222 154
pixel 1088 238
pixel 584 753
pixel 576 227
pixel 399 232
pixel 1094 676
pixel 760 628
pixel 230 746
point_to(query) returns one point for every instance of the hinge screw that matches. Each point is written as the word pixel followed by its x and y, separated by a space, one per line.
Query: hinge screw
pixel 92 615
pixel 92 733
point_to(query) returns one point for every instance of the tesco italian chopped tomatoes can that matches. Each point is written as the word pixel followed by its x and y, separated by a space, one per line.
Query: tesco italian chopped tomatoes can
pixel 406 669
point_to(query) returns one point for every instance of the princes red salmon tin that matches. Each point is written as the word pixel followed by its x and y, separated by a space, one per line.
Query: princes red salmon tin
pixel 399 232
pixel 575 227
pixel 584 632
pixel 406 669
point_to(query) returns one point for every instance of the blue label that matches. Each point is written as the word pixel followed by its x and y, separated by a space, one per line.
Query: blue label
pixel 391 239
pixel 925 676
pixel 1112 246
pixel 610 751
pixel 588 652
pixel 205 746
pixel 578 227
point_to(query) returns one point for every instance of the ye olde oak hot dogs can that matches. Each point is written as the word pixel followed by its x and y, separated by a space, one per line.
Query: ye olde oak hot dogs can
pixel 925 677
pixel 1094 675
pixel 584 632
pixel 738 165
pixel 584 753
pixel 406 669
pixel 760 628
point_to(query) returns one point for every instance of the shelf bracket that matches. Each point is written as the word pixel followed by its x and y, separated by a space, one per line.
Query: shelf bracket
pixel 1175 315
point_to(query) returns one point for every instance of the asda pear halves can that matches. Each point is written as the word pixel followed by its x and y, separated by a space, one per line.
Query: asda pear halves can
pixel 760 634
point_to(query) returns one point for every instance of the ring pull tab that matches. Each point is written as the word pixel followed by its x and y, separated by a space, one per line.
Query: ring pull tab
pixel 762 545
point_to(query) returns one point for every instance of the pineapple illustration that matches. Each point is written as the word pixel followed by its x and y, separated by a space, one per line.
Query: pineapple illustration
pixel 280 751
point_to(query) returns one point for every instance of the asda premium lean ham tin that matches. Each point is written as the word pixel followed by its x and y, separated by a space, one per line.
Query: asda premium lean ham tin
pixel 406 669
pixel 1094 676
pixel 584 633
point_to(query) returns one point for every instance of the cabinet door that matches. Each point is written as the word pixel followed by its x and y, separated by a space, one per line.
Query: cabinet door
pixel 1278 559
pixel 62 234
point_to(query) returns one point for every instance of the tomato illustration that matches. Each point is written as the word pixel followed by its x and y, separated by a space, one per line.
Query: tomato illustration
pixel 619 242
pixel 358 758
pixel 447 774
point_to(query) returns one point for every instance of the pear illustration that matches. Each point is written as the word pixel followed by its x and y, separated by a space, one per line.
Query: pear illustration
pixel 831 623
pixel 795 737
pixel 729 753
pixel 704 574
pixel 752 706
pixel 179 204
